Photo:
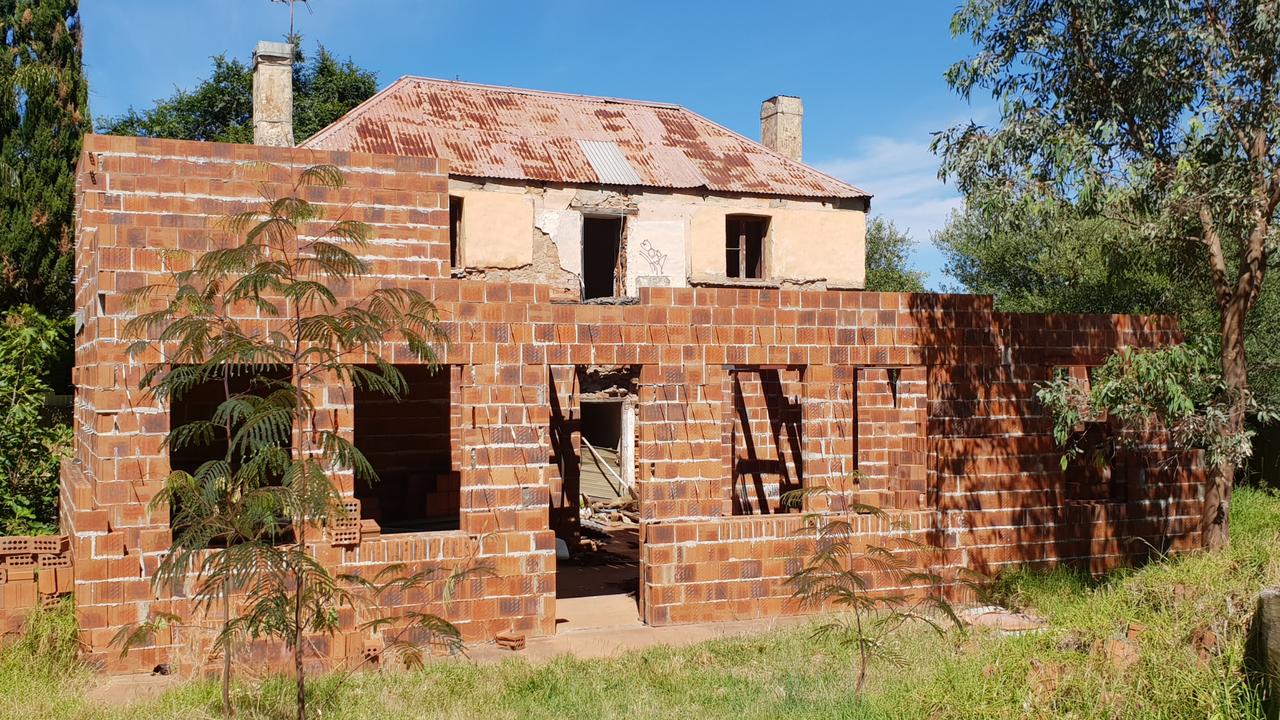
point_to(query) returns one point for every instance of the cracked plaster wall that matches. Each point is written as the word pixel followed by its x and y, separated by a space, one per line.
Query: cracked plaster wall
pixel 533 233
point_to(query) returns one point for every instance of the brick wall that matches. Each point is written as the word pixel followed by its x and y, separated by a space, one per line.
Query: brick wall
pixel 928 397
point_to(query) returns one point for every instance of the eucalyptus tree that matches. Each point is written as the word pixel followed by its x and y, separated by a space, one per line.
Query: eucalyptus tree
pixel 888 263
pixel 1164 115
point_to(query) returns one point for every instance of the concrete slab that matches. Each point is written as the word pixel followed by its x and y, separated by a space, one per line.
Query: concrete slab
pixel 596 611
pixel 120 690
pixel 611 640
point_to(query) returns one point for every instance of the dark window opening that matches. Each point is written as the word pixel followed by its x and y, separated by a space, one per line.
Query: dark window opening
pixel 455 232
pixel 190 452
pixel 744 246
pixel 765 444
pixel 602 272
pixel 409 443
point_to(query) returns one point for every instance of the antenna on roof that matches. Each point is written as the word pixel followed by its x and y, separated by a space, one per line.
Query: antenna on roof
pixel 292 3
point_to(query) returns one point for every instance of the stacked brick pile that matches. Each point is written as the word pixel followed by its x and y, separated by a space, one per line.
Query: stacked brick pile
pixel 34 572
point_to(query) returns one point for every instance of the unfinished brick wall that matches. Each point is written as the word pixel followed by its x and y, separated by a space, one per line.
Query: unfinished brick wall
pixel 138 197
pixel 929 398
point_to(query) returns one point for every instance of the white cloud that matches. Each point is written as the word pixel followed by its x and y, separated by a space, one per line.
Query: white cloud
pixel 902 175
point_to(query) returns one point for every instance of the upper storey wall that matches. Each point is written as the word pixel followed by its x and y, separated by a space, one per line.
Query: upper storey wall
pixel 534 233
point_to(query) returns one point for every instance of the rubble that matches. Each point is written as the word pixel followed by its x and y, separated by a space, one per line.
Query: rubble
pixel 606 515
pixel 1122 653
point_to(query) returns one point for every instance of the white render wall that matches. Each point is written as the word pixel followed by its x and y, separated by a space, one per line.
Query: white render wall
pixel 671 238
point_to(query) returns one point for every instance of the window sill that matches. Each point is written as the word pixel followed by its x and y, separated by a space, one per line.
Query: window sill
pixel 734 282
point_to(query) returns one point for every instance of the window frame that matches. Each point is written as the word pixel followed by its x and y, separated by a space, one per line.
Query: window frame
pixel 742 242
pixel 456 208
pixel 619 262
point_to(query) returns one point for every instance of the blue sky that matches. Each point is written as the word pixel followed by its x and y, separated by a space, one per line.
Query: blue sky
pixel 870 73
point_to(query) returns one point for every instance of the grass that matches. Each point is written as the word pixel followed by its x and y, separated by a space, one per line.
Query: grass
pixel 788 673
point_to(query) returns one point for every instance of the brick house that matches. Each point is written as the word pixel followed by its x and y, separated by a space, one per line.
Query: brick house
pixel 747 363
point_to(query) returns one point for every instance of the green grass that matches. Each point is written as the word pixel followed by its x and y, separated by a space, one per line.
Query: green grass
pixel 789 673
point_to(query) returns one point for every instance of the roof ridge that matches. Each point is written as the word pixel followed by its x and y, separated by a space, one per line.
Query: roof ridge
pixel 547 93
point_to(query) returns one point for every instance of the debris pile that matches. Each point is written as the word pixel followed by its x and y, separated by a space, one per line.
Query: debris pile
pixel 1002 620
pixel 606 515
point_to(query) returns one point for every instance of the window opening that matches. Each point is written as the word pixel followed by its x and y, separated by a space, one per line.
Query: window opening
pixel 602 257
pixel 744 246
pixel 409 443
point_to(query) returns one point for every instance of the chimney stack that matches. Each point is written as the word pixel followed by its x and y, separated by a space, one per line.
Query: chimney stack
pixel 780 120
pixel 273 94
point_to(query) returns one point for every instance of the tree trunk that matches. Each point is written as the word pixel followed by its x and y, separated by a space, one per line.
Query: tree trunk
pixel 226 657
pixel 1217 501
pixel 299 671
pixel 1221 477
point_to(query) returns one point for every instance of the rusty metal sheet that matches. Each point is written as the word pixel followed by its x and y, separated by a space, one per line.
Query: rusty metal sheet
pixel 510 133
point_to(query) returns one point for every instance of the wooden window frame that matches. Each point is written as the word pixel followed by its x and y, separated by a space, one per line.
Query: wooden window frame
pixel 619 263
pixel 738 223
pixel 455 232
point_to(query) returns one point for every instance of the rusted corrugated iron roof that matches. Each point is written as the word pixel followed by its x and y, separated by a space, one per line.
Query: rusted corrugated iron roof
pixel 499 132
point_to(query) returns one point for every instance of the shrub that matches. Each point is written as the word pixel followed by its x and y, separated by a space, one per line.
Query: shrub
pixel 32 441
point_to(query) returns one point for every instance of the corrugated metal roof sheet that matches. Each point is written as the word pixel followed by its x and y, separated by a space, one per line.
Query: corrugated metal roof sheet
pixel 610 164
pixel 498 132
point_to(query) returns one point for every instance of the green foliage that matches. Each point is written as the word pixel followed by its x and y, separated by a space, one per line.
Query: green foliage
pixel 1161 116
pixel 1101 96
pixel 40 664
pixel 1178 388
pixel 43 116
pixel 242 520
pixel 887 265
pixel 32 441
pixel 1062 260
pixel 837 574
pixel 220 108
pixel 49 642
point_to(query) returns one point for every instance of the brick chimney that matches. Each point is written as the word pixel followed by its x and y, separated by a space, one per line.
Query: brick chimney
pixel 780 120
pixel 273 94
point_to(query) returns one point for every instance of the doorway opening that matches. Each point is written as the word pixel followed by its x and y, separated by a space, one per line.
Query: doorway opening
pixel 598 560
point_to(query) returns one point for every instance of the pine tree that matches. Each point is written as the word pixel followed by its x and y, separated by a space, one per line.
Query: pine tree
pixel 43 117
